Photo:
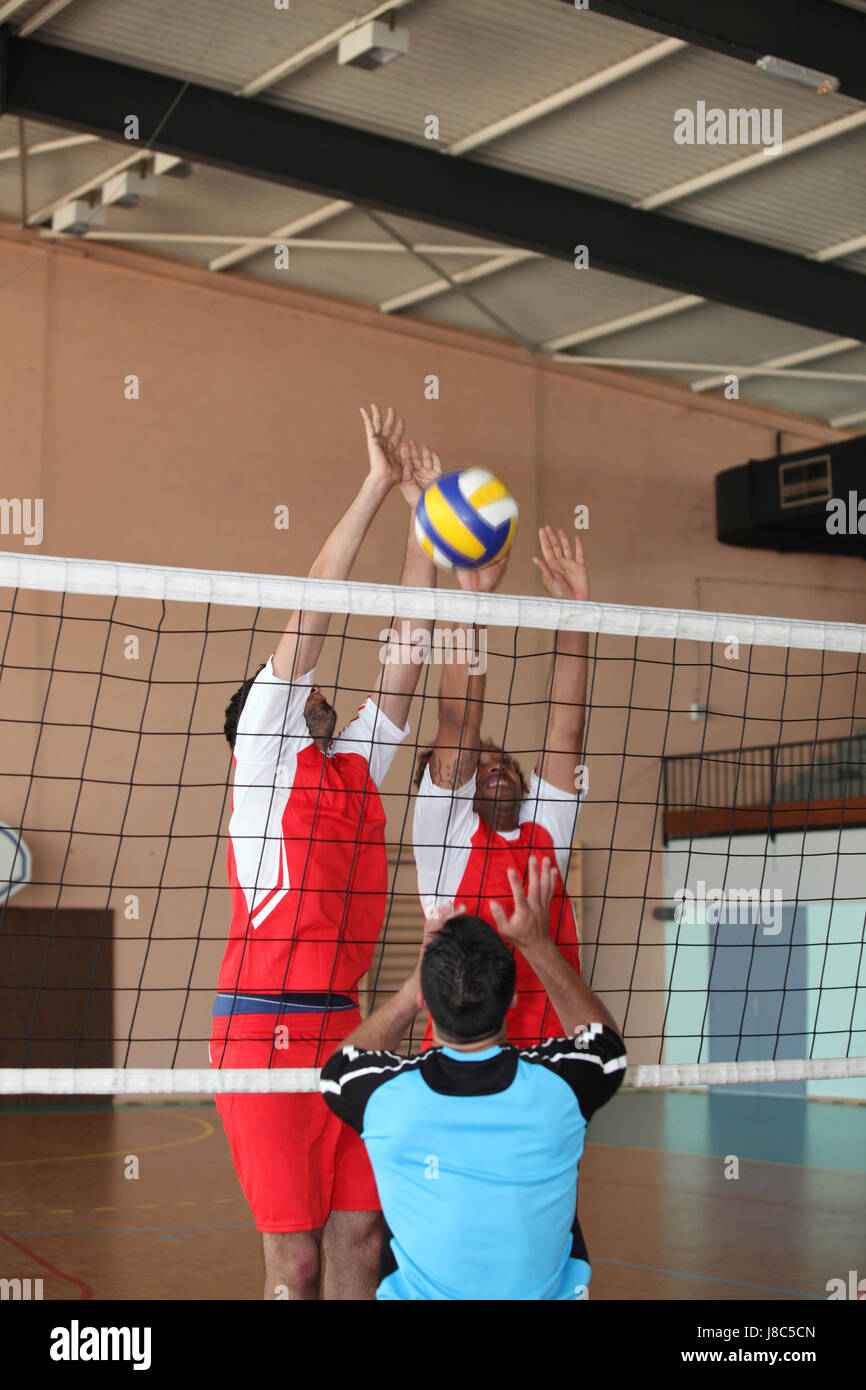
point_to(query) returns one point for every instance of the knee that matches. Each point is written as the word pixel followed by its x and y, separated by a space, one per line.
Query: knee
pixel 354 1235
pixel 369 1240
pixel 292 1260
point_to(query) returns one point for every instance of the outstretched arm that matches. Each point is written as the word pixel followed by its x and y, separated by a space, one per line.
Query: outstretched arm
pixel 410 640
pixel 564 576
pixel 527 929
pixel 300 646
pixel 461 692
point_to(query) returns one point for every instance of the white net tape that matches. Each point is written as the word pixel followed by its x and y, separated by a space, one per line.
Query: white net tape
pixel 135 1081
pixel 273 591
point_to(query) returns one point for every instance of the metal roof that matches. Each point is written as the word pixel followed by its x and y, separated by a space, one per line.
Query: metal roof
pixel 575 98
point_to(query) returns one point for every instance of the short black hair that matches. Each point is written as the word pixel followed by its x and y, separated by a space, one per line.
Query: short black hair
pixel 236 704
pixel 467 979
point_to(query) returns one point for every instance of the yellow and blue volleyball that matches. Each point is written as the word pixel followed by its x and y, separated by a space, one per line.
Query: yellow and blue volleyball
pixel 466 520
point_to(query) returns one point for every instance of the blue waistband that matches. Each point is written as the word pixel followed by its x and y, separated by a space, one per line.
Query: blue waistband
pixel 291 1003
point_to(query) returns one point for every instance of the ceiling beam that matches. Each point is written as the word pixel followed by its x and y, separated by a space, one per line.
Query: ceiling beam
pixel 251 247
pixel 814 33
pixel 654 364
pixel 843 421
pixel 42 16
pixel 64 142
pixel 461 277
pixel 566 96
pixel 623 323
pixel 788 359
pixel 263 242
pixel 77 91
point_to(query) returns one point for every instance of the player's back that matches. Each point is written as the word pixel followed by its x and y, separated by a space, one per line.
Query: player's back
pixel 307 870
pixel 475 1156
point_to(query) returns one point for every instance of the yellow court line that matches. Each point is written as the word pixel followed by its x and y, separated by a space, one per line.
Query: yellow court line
pixel 207 1130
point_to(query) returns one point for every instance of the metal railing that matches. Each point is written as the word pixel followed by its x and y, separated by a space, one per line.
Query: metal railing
pixel 828 769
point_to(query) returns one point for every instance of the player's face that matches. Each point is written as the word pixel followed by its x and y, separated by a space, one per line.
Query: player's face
pixel 497 780
pixel 320 716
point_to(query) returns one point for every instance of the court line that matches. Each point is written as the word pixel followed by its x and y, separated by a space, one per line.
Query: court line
pixel 711 1278
pixel 86 1290
pixel 207 1130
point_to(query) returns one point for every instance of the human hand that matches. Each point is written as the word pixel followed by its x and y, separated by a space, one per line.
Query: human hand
pixel 564 575
pixel 421 466
pixel 485 580
pixel 383 445
pixel 528 924
pixel 437 919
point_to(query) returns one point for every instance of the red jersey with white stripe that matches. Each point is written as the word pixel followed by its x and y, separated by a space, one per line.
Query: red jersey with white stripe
pixel 461 859
pixel 306 857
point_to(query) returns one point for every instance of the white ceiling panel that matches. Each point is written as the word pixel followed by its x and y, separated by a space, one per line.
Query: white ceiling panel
pixel 620 141
pixel 545 299
pixel 814 199
pixel 221 43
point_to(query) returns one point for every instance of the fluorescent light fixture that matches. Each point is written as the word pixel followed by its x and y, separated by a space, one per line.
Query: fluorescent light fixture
pixel 822 82
pixel 372 45
pixel 77 217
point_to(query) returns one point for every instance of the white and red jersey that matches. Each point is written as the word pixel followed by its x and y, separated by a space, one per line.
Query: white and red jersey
pixel 461 859
pixel 306 858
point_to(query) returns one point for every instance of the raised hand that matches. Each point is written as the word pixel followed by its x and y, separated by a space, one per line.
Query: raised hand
pixel 383 445
pixel 485 580
pixel 528 923
pixel 563 574
pixel 437 919
pixel 421 466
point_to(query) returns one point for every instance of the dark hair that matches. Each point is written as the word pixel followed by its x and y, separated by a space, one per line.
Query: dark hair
pixel 487 746
pixel 467 978
pixel 235 705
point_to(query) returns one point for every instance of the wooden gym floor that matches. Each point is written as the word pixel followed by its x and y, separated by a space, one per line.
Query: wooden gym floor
pixel 661 1219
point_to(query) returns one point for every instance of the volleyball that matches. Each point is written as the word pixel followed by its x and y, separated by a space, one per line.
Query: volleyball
pixel 466 519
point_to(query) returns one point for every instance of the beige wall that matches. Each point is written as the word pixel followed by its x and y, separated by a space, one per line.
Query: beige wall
pixel 249 399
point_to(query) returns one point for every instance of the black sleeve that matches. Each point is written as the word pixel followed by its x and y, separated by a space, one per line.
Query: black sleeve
pixel 593 1063
pixel 349 1078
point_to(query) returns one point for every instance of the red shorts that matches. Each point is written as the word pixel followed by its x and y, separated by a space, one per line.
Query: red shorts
pixel 295 1161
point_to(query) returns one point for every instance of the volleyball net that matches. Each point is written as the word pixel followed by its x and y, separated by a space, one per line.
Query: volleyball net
pixel 716 876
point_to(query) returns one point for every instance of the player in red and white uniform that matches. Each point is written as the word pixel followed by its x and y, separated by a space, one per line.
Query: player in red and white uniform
pixel 475 818
pixel 308 879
